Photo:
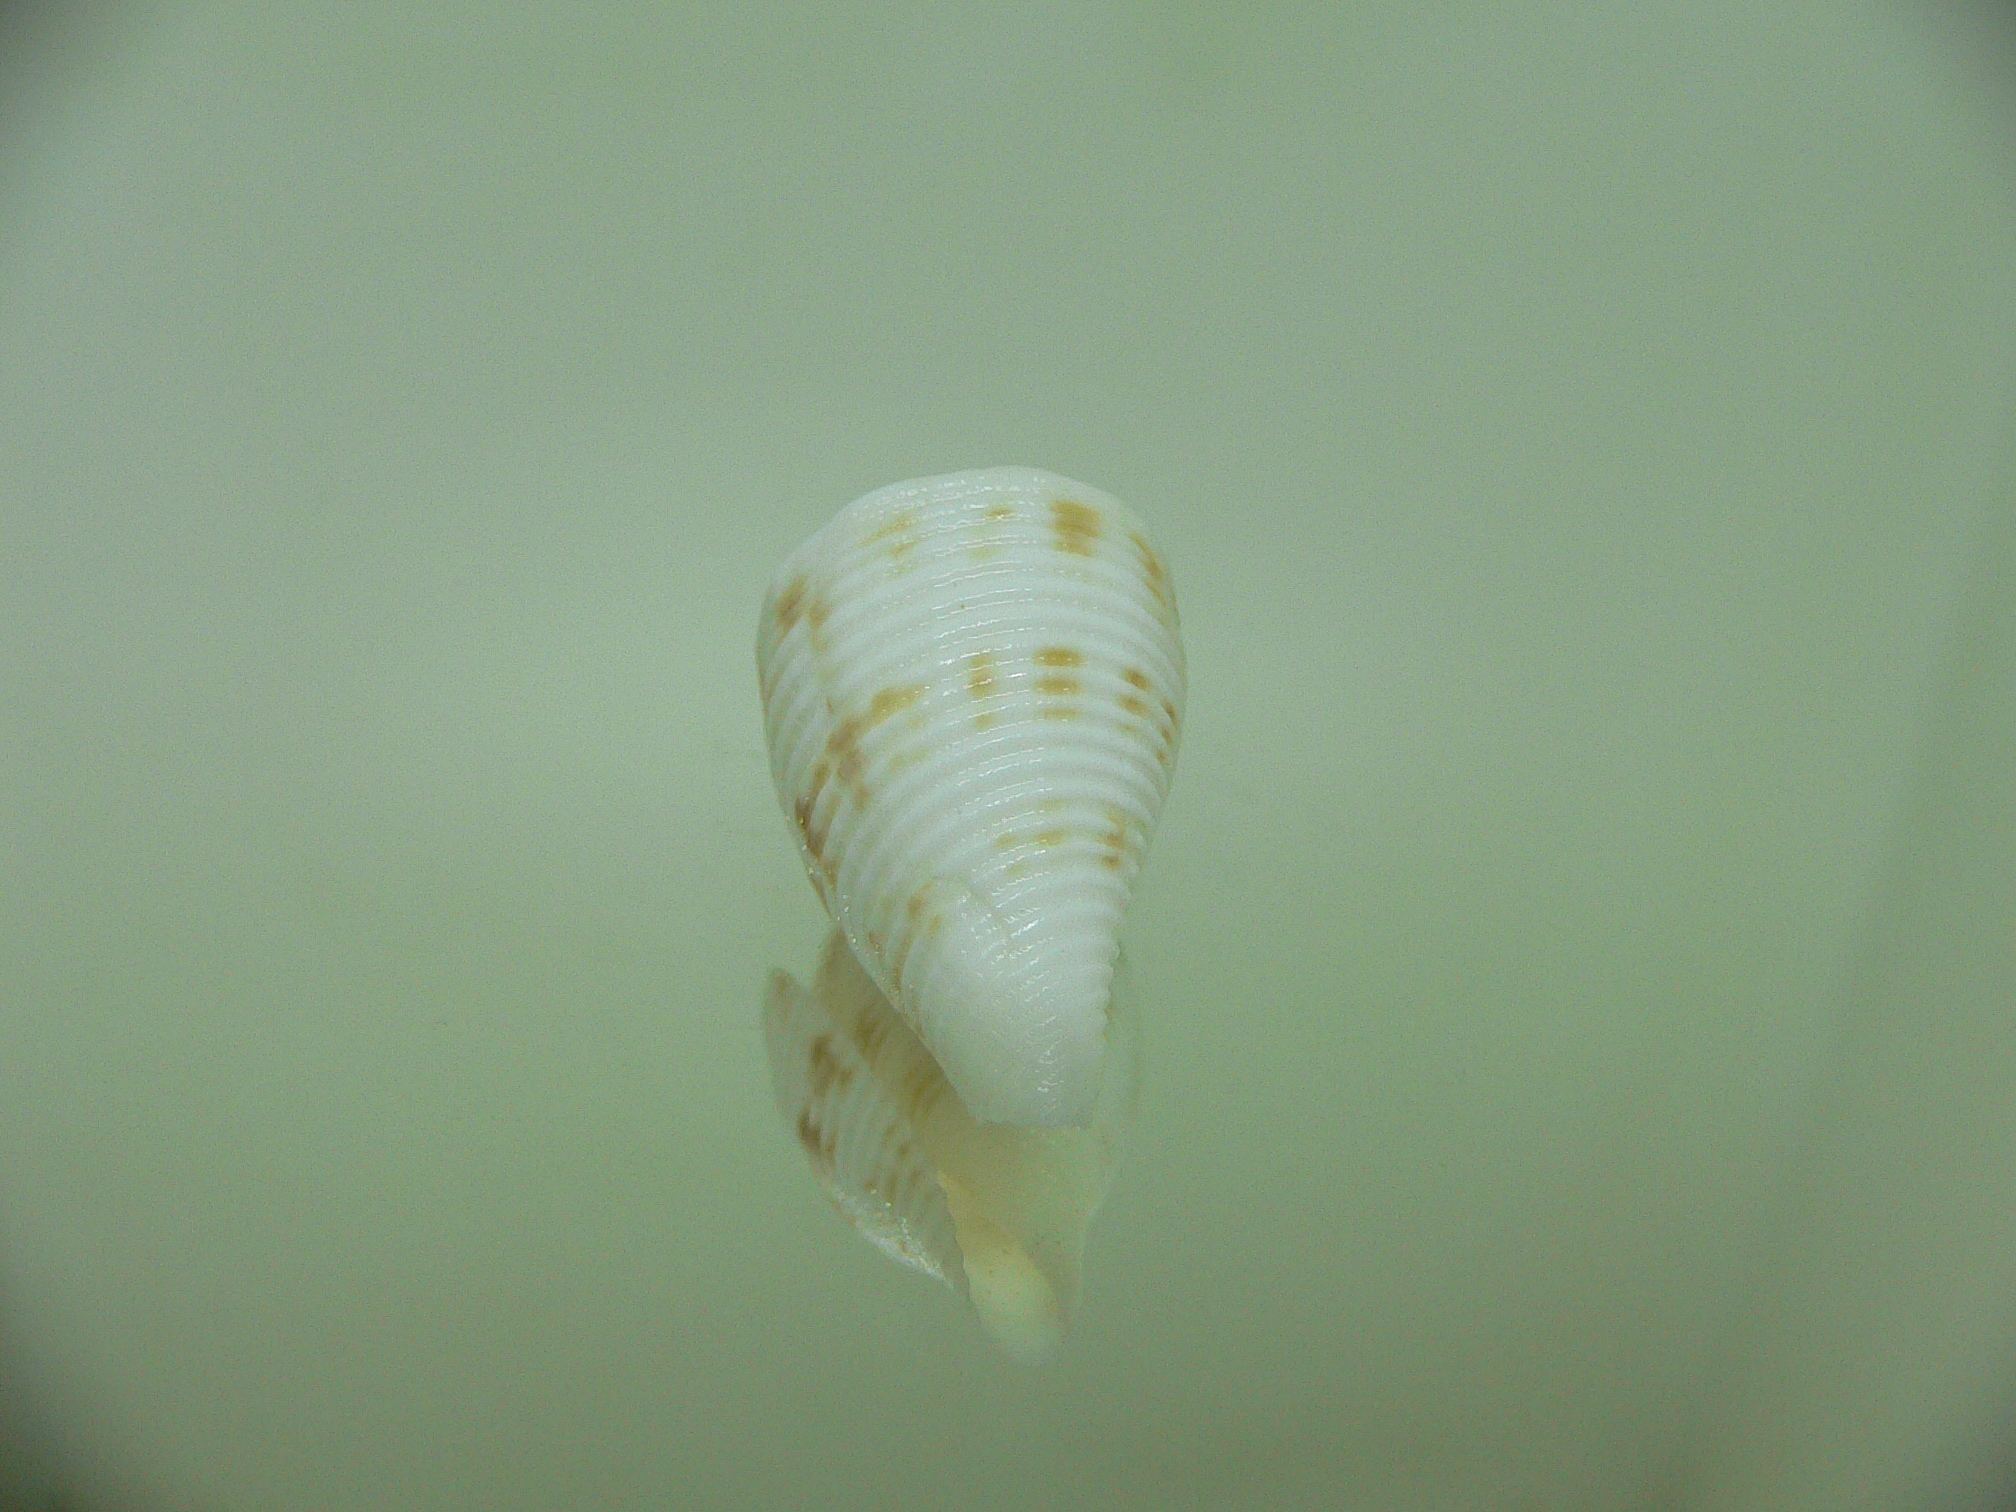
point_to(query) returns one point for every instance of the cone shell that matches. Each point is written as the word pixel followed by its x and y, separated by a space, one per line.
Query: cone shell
pixel 998 1213
pixel 972 688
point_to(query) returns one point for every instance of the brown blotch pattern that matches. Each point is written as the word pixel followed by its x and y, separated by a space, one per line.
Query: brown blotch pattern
pixel 1167 753
pixel 1049 837
pixel 1153 573
pixel 790 604
pixel 1059 656
pixel 1058 686
pixel 823 873
pixel 893 701
pixel 982 683
pixel 868 1031
pixel 914 908
pixel 998 513
pixel 825 1069
pixel 843 748
pixel 1077 526
pixel 922 1086
pixel 1113 839
pixel 819 1143
pixel 903 1170
pixel 1133 703
pixel 899 531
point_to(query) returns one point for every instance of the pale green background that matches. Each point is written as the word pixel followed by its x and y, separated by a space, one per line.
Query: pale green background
pixel 1581 1068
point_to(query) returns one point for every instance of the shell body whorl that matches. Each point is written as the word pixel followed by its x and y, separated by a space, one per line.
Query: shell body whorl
pixel 972 689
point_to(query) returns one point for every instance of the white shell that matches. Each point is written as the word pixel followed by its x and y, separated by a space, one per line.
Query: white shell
pixel 998 1213
pixel 972 687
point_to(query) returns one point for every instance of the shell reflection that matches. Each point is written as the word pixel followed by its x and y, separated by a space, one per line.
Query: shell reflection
pixel 997 1212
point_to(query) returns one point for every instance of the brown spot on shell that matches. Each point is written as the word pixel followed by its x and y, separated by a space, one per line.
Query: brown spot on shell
pixel 1049 837
pixel 843 746
pixel 1113 839
pixel 1077 526
pixel 869 1030
pixel 997 513
pixel 893 701
pixel 1136 678
pixel 817 1142
pixel 1006 840
pixel 1153 573
pixel 1059 656
pixel 1059 686
pixel 790 604
pixel 922 1086
pixel 825 1069
pixel 1133 706
pixel 915 908
pixel 816 613
pixel 899 532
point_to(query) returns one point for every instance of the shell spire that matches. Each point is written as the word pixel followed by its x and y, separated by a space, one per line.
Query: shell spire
pixel 972 689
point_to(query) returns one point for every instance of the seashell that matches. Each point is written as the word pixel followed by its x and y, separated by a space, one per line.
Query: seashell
pixel 972 689
pixel 998 1213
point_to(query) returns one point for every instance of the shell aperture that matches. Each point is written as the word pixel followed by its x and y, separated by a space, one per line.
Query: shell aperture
pixel 998 1213
pixel 972 691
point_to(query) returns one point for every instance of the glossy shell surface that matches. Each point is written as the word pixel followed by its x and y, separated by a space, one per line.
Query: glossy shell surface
pixel 972 688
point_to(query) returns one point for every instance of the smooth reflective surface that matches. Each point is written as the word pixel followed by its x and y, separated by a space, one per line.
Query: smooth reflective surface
pixel 1581 444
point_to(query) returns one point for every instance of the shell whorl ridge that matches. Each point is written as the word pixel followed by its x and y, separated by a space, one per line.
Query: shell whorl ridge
pixel 972 688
